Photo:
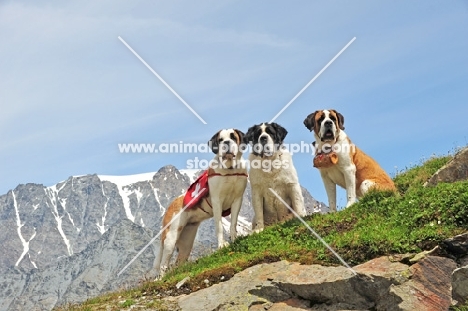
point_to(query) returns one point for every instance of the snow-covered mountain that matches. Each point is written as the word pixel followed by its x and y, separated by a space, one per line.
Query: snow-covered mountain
pixel 54 238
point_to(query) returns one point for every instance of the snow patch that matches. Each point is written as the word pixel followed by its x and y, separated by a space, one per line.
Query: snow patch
pixel 139 195
pixel 19 225
pixel 123 183
pixel 102 227
pixel 33 263
pixel 52 193
pixel 126 180
pixel 243 225
pixel 156 195
pixel 192 174
pixel 18 228
pixel 125 195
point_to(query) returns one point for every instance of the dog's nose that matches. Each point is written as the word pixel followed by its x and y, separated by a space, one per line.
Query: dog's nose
pixel 328 123
pixel 263 139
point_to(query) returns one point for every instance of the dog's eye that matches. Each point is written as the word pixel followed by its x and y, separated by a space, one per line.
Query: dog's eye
pixel 220 140
pixel 233 137
pixel 333 118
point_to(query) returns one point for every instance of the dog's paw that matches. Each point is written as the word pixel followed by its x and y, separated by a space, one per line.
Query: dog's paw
pixel 160 274
pixel 233 236
pixel 223 244
pixel 258 227
pixel 302 213
pixel 258 230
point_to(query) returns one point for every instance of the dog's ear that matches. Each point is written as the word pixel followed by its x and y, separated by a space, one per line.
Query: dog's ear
pixel 241 136
pixel 213 143
pixel 340 119
pixel 281 132
pixel 249 136
pixel 309 122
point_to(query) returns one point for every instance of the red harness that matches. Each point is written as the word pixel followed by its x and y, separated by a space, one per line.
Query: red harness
pixel 196 191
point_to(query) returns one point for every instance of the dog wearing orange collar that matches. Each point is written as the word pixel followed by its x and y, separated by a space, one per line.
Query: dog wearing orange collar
pixel 216 193
pixel 342 163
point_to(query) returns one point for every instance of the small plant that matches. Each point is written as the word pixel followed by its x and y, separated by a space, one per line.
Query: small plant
pixel 128 303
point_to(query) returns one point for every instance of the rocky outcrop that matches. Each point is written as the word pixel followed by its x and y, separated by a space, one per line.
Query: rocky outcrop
pixel 458 246
pixel 380 284
pixel 83 275
pixel 460 285
pixel 455 170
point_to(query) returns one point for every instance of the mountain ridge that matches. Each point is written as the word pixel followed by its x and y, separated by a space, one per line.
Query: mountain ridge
pixel 51 227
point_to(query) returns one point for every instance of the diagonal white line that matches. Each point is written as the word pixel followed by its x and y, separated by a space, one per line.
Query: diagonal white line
pixel 313 232
pixel 162 80
pixel 313 79
pixel 161 231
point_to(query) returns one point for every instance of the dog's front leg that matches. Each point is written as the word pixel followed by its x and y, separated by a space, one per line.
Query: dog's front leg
pixel 330 187
pixel 257 204
pixel 217 217
pixel 350 180
pixel 297 200
pixel 168 244
pixel 235 209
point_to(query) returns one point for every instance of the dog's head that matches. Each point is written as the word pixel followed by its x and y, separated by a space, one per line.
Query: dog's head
pixel 265 138
pixel 227 144
pixel 326 124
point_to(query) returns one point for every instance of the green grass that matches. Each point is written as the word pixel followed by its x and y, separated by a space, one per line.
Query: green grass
pixel 127 303
pixel 381 223
pixel 459 308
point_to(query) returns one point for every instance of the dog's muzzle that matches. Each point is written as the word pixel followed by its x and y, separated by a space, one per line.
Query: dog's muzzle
pixel 228 151
pixel 328 135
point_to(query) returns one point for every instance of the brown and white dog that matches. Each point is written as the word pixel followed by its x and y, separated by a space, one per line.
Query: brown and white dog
pixel 354 171
pixel 271 166
pixel 227 179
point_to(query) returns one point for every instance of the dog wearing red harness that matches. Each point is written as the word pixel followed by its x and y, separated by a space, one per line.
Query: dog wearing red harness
pixel 216 193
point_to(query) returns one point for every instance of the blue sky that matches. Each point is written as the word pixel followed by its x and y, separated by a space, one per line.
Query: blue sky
pixel 71 91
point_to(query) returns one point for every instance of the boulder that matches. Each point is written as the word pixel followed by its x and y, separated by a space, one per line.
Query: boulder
pixel 455 170
pixel 380 284
pixel 460 285
pixel 429 287
pixel 457 246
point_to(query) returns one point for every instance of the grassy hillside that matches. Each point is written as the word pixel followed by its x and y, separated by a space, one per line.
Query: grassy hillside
pixel 413 220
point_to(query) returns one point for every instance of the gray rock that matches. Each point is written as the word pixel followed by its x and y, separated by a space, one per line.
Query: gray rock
pixel 457 246
pixel 460 285
pixel 86 274
pixel 455 170
pixel 380 284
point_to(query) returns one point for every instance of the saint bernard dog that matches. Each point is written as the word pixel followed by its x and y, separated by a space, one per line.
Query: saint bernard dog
pixel 271 166
pixel 225 179
pixel 347 165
